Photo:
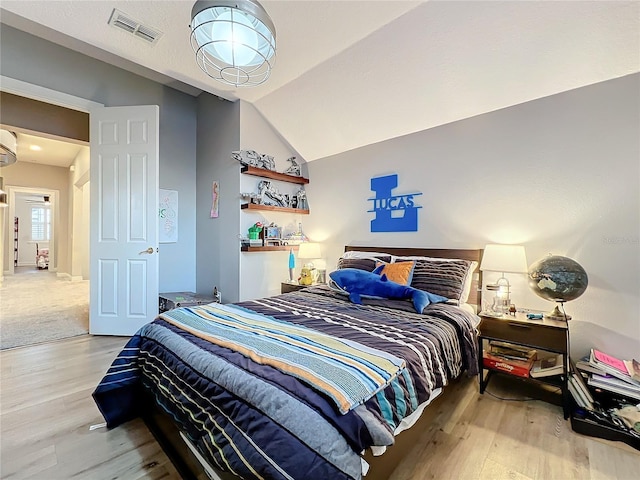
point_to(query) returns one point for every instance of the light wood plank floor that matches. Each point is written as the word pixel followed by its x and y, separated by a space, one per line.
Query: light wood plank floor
pixel 46 411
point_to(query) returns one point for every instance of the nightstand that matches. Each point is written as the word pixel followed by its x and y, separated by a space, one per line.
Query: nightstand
pixel 286 287
pixel 547 335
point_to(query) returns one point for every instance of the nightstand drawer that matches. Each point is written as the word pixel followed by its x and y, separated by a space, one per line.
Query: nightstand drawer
pixel 524 332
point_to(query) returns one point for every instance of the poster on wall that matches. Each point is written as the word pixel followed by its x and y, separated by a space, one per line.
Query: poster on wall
pixel 215 194
pixel 394 212
pixel 168 213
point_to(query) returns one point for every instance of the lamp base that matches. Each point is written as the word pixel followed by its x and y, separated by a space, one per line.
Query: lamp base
pixel 556 314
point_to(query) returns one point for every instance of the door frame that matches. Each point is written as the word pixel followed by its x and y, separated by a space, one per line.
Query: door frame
pixel 46 95
pixel 55 218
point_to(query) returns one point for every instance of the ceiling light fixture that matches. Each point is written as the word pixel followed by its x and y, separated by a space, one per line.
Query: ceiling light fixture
pixel 234 41
pixel 3 194
pixel 8 146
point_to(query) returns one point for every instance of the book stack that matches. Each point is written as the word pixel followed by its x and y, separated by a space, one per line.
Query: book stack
pixel 547 366
pixel 611 374
pixel 514 359
pixel 579 391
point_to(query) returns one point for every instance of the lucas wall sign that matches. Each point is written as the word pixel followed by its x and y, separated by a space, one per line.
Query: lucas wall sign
pixel 394 213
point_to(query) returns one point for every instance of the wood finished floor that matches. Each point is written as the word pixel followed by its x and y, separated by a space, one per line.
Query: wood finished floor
pixel 46 411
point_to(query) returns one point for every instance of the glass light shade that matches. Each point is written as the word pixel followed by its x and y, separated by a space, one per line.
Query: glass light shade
pixel 234 41
pixel 504 258
pixel 8 148
pixel 309 250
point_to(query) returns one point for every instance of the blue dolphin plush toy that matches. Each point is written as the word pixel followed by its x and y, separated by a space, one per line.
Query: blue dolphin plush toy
pixel 360 282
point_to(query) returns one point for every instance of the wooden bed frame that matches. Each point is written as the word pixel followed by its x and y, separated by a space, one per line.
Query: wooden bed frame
pixel 188 466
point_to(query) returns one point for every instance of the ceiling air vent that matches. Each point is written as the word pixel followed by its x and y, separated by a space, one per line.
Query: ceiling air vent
pixel 128 24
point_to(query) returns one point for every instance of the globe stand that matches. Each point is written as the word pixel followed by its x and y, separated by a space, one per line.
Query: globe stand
pixel 556 314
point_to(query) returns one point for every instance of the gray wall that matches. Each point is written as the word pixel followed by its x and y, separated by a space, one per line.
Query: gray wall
pixel 560 174
pixel 217 238
pixel 36 61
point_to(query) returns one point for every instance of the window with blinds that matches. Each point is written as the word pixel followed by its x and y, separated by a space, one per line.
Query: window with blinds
pixel 40 224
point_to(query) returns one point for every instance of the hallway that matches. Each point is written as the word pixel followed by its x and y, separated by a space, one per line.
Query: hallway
pixel 36 306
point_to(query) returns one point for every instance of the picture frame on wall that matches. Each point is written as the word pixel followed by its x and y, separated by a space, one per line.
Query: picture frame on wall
pixel 168 216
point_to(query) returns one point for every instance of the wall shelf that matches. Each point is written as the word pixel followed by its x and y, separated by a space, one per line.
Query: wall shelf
pixel 270 248
pixel 261 172
pixel 273 208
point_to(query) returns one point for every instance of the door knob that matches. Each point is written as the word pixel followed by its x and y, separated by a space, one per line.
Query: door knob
pixel 148 250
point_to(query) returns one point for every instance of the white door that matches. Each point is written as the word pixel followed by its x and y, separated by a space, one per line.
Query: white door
pixel 124 219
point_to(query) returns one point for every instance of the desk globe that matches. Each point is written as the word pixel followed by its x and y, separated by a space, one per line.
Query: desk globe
pixel 557 279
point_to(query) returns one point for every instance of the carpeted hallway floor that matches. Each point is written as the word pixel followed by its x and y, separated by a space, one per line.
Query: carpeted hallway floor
pixel 36 306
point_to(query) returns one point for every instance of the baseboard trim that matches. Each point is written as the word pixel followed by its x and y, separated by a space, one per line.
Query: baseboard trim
pixel 76 278
pixel 63 275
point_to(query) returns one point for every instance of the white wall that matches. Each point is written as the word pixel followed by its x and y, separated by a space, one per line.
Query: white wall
pixel 560 174
pixel 80 216
pixel 262 272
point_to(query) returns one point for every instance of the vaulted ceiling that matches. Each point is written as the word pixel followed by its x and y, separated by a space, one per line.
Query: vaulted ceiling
pixel 352 73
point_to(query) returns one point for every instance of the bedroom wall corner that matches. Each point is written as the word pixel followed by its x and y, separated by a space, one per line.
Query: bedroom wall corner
pixel 217 245
pixel 262 272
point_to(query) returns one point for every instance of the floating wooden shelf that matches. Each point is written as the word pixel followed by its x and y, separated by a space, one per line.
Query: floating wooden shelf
pixel 273 208
pixel 270 248
pixel 261 172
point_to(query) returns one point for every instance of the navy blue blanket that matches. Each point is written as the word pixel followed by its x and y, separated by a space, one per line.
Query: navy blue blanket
pixel 257 422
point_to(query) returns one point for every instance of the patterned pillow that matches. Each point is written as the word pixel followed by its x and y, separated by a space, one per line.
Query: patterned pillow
pixel 362 260
pixel 450 278
pixel 401 272
pixel 367 264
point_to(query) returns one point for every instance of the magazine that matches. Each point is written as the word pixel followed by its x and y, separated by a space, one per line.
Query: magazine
pixel 612 366
pixel 547 367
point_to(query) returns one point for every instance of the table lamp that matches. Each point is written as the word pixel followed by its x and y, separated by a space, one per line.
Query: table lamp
pixel 309 251
pixel 503 259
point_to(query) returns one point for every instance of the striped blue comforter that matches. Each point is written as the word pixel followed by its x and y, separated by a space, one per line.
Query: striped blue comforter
pixel 252 419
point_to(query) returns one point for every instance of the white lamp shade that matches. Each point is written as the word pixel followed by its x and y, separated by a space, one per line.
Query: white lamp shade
pixel 504 258
pixel 309 250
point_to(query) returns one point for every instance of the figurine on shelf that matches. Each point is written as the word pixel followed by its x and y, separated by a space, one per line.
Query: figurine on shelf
pixel 265 188
pixel 254 235
pixel 295 238
pixel 251 197
pixel 302 199
pixel 294 168
pixel 267 162
pixel 251 158
pixel 272 235
pixel 248 158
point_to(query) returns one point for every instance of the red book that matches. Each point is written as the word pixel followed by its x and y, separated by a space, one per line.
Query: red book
pixel 514 367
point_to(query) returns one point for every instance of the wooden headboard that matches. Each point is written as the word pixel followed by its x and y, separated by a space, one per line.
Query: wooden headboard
pixel 475 296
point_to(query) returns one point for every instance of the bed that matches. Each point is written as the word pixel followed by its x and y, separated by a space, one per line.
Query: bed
pixel 298 385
